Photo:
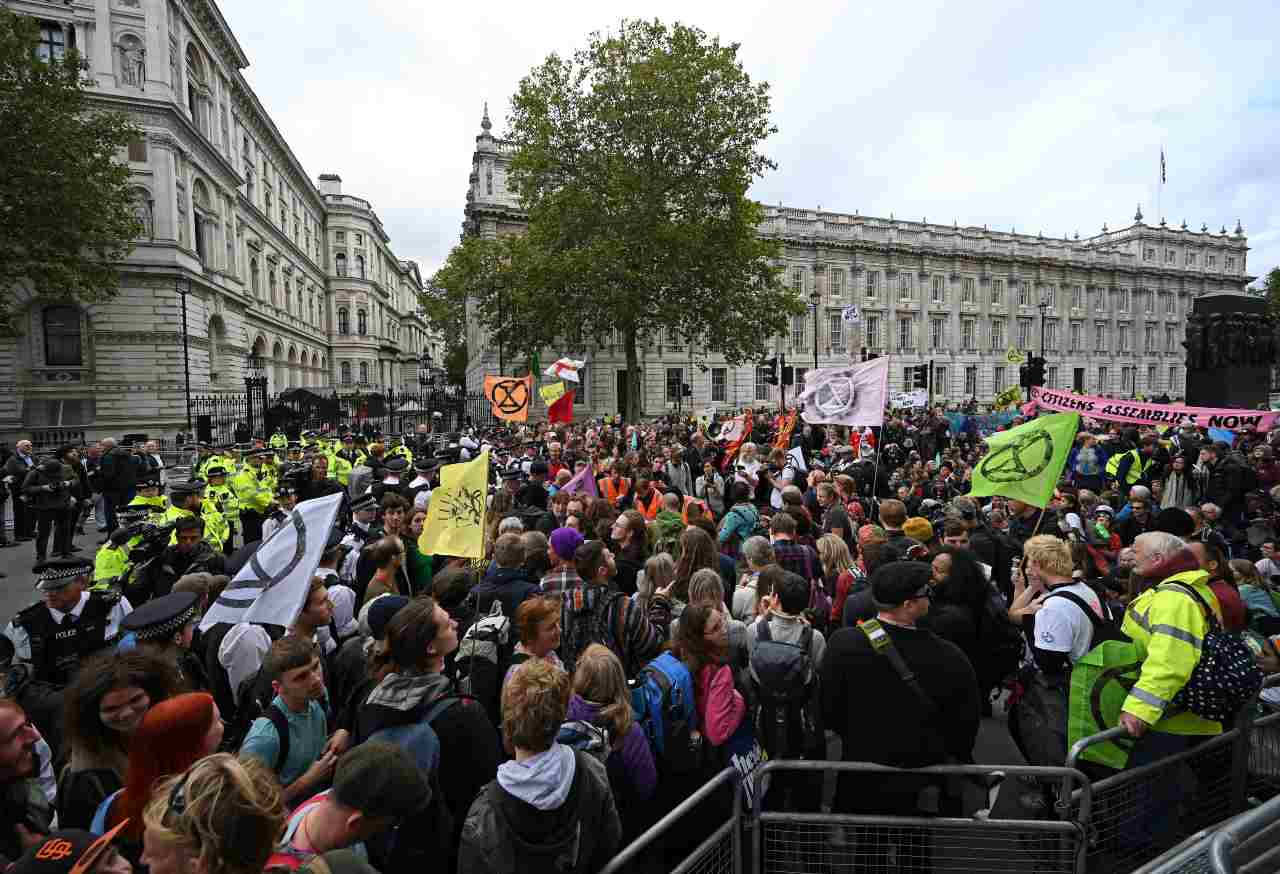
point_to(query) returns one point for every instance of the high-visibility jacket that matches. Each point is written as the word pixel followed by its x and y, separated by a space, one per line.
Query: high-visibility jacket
pixel 216 531
pixel 339 469
pixel 224 500
pixel 1137 470
pixel 254 493
pixel 1168 627
pixel 109 563
pixel 156 507
pixel 204 462
pixel 648 507
pixel 612 493
pixel 278 440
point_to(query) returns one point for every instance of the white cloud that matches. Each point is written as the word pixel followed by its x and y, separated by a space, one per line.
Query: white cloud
pixel 1045 117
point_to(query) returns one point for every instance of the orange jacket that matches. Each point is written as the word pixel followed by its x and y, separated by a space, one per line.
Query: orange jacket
pixel 611 494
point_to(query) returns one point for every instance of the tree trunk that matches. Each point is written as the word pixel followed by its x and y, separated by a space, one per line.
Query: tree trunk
pixel 632 412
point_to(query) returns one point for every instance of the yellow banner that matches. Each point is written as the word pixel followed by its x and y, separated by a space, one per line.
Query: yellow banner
pixel 552 393
pixel 455 520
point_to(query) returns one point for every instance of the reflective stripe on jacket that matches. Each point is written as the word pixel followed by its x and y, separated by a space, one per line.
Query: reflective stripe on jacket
pixel 1168 629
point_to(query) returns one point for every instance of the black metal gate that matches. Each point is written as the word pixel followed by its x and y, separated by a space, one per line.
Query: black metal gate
pixel 237 418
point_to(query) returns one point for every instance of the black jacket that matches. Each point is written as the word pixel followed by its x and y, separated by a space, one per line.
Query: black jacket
pixel 882 720
pixel 510 586
pixel 119 472
pixel 505 834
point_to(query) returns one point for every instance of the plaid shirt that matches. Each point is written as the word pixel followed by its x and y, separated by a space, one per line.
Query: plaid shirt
pixel 560 580
pixel 798 559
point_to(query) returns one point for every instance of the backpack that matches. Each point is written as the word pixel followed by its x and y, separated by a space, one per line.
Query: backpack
pixel 254 701
pixel 1001 641
pixel 582 735
pixel 1226 677
pixel 482 657
pixel 788 720
pixel 819 604
pixel 662 704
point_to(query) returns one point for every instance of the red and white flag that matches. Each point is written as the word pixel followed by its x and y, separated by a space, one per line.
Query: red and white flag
pixel 565 368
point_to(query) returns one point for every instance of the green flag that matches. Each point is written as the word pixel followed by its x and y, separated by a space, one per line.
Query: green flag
pixel 1025 462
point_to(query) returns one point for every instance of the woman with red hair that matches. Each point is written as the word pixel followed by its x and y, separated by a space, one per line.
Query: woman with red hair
pixel 174 735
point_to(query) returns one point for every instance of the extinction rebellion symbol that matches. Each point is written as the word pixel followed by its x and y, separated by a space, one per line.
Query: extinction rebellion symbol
pixel 510 396
pixel 1020 459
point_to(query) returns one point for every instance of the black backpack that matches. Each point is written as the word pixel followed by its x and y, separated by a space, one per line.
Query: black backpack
pixel 1226 677
pixel 1001 641
pixel 788 718
pixel 253 701
pixel 1105 628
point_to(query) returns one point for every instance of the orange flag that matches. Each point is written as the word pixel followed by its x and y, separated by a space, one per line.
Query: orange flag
pixel 509 396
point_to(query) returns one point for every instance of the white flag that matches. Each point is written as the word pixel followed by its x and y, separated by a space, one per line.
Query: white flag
pixel 272 586
pixel 565 368
pixel 853 395
pixel 733 429
pixel 851 315
pixel 795 459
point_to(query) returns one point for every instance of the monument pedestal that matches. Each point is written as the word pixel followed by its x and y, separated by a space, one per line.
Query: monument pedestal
pixel 1235 331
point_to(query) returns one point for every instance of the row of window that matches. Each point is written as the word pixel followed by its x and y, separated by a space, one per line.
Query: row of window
pixel 908 283
pixel 1189 258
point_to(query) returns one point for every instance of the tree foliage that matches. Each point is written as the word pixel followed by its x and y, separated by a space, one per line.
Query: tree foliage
pixel 1271 290
pixel 632 160
pixel 66 215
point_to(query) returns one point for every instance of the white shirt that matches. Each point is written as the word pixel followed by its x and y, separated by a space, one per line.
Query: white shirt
pixel 784 478
pixel 242 651
pixel 1267 568
pixel 1062 627
pixel 22 643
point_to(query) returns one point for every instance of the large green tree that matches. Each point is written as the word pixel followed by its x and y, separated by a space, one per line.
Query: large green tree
pixel 632 160
pixel 66 216
pixel 1271 289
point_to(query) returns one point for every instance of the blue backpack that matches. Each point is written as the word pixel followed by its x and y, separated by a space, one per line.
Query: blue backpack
pixel 663 706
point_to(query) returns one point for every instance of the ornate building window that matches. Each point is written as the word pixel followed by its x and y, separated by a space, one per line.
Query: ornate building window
pixel 62 342
pixel 344 322
pixel 364 372
pixel 345 370
pixel 360 266
pixel 340 264
pixel 206 221
pixel 362 323
pixel 255 285
pixel 53 42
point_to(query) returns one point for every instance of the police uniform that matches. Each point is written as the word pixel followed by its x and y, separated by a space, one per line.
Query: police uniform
pixel 279 516
pixel 420 487
pixel 157 621
pixel 279 440
pixel 392 484
pixel 215 527
pixel 155 505
pixel 56 643
pixel 111 562
pixel 222 498
pixel 254 493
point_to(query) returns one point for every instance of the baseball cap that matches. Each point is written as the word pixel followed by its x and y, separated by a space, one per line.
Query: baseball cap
pixel 67 851
pixel 380 780
pixel 565 541
pixel 897 582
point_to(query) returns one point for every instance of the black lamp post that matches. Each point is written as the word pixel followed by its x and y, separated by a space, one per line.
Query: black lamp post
pixel 814 300
pixel 183 289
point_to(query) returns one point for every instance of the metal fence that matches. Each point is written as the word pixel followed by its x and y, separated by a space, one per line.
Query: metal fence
pixel 719 853
pixel 798 843
pixel 236 418
pixel 1141 813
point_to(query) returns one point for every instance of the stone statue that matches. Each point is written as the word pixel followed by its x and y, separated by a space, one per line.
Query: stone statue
pixel 142 210
pixel 131 62
pixel 1195 342
pixel 1215 341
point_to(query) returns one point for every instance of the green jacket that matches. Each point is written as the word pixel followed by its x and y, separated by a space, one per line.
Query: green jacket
pixel 110 562
pixel 1168 628
pixel 216 530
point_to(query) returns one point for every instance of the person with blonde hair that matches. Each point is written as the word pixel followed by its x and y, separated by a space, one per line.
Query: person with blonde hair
pixel 601 698
pixel 221 816
pixel 838 574
pixel 659 572
pixel 551 806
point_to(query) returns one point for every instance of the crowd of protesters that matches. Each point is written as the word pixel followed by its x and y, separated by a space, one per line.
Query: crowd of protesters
pixel 652 606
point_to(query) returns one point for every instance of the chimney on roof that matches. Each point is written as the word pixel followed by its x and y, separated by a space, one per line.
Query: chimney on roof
pixel 330 183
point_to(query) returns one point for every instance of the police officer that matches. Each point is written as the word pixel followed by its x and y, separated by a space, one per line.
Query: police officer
pixel 188 500
pixel 293 454
pixel 68 624
pixel 168 624
pixel 392 479
pixel 279 440
pixel 254 493
pixel 424 467
pixel 286 499
pixel 156 504
pixel 221 497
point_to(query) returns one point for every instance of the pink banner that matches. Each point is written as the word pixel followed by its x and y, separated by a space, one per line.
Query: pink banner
pixel 1175 415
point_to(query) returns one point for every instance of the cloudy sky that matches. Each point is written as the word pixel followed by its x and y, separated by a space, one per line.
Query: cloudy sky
pixel 1044 117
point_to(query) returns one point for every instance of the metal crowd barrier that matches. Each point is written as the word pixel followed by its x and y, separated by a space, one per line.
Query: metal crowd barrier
pixel 799 843
pixel 1170 808
pixel 1250 843
pixel 719 853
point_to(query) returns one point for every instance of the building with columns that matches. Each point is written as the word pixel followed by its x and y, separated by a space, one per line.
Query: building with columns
pixel 265 261
pixel 1109 309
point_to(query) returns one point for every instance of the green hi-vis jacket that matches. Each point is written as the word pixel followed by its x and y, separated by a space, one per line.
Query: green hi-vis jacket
pixel 1168 629
pixel 255 494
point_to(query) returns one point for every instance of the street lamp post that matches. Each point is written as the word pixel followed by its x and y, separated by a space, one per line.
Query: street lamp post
pixel 814 300
pixel 1043 306
pixel 183 290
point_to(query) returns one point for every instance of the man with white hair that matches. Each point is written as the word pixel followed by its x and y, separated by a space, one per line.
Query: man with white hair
pixel 15 471
pixel 1168 623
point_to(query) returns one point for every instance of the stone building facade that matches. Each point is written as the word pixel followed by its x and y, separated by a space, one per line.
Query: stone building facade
pixel 267 262
pixel 1109 308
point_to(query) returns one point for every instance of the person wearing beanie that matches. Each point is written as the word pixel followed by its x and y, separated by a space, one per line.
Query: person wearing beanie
pixel 47 493
pixel 172 736
pixel 879 715
pixel 563 546
pixel 374 786
pixel 919 529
